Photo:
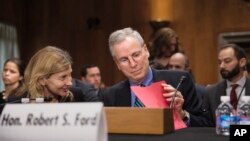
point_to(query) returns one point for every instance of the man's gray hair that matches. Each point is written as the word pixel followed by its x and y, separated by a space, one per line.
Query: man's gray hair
pixel 120 35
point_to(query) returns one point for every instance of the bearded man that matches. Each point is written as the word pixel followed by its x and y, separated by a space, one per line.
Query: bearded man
pixel 231 62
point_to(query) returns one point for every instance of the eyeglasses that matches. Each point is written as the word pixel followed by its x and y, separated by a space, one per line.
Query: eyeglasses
pixel 136 56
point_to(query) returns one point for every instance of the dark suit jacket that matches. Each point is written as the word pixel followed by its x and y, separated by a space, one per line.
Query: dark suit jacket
pixel 212 98
pixel 120 94
pixel 89 93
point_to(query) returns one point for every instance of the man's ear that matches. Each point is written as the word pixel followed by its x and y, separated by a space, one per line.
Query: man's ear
pixel 117 63
pixel 146 49
pixel 188 69
pixel 243 62
pixel 83 79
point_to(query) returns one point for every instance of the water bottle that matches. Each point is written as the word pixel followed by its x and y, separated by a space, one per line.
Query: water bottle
pixel 225 115
pixel 243 111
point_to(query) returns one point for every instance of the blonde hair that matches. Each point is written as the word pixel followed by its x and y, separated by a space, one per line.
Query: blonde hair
pixel 43 64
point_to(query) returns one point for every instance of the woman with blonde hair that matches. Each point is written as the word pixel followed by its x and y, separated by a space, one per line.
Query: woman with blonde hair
pixel 48 76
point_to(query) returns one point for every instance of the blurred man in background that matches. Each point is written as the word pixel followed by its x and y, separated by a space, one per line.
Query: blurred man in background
pixel 232 63
pixel 180 62
pixel 91 74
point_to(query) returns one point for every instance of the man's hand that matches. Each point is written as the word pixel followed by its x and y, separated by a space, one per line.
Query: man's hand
pixel 178 102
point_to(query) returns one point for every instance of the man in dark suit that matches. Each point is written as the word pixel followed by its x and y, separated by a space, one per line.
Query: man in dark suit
pixel 131 57
pixel 88 91
pixel 232 62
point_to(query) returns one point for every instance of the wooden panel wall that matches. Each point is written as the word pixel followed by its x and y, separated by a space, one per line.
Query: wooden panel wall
pixel 63 23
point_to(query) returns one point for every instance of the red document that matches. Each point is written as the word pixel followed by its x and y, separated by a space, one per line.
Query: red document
pixel 152 97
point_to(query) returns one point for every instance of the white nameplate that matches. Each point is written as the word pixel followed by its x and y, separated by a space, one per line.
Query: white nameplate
pixel 53 122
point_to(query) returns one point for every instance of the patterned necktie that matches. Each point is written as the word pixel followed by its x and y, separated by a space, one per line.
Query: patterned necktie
pixel 138 102
pixel 233 96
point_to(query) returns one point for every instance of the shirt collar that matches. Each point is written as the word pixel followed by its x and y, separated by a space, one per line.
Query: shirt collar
pixel 241 82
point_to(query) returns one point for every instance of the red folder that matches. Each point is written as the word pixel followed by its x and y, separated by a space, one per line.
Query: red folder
pixel 152 97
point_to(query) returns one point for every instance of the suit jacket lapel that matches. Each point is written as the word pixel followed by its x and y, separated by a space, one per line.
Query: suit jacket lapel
pixel 123 97
pixel 156 77
pixel 247 86
pixel 221 91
